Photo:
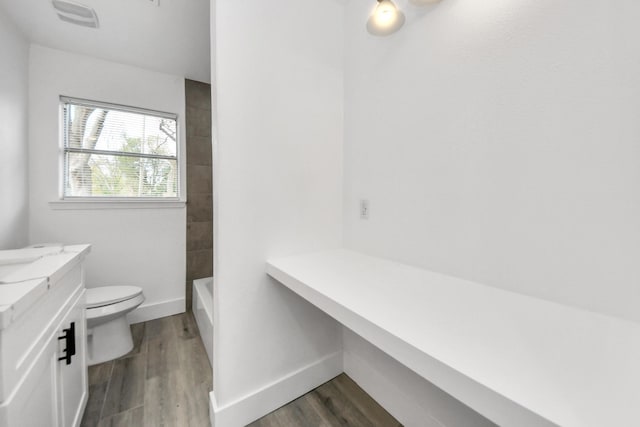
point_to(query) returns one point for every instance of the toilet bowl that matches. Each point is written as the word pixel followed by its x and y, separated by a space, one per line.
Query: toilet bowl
pixel 108 332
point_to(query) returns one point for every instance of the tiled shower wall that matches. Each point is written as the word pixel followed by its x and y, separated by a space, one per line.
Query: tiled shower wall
pixel 199 184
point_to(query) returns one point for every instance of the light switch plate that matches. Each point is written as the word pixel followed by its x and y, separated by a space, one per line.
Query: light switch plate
pixel 364 209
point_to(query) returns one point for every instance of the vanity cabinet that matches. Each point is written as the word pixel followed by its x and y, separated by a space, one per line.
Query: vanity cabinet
pixel 43 368
pixel 71 367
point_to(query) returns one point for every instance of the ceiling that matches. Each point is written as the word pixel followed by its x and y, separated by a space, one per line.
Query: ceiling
pixel 172 38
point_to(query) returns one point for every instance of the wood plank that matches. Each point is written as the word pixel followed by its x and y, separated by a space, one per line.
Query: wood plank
pixel 195 378
pixel 126 389
pixel 167 380
pixel 365 403
pixel 100 373
pixel 131 418
pixel 340 406
pixel 166 403
pixel 99 377
pixel 185 326
pixel 339 402
pixel 324 416
pixel 297 413
pixel 164 381
pixel 162 353
pixel 95 402
pixel 158 327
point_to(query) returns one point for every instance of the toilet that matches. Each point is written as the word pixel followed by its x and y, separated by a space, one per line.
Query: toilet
pixel 108 332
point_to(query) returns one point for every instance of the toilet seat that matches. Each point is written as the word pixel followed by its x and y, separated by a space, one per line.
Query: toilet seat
pixel 104 313
pixel 108 295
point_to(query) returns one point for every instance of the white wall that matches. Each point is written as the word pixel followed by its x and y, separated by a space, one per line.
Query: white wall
pixel 278 162
pixel 499 142
pixel 141 247
pixel 13 136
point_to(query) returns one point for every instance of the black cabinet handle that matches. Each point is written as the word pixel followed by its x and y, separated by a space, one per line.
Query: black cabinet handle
pixel 70 343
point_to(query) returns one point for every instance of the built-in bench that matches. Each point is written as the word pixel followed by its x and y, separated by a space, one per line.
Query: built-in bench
pixel 518 360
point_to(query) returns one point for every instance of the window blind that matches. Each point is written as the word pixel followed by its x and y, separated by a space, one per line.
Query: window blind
pixel 113 151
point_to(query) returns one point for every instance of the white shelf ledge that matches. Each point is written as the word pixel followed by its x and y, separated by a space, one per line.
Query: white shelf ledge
pixel 518 360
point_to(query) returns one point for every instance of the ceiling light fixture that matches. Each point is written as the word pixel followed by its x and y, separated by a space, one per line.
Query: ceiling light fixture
pixel 386 19
pixel 76 13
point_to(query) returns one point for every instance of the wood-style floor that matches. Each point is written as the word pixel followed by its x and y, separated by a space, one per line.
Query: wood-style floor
pixel 163 382
pixel 340 402
pixel 166 379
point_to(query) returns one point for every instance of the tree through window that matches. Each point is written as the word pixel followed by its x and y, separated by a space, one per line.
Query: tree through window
pixel 112 151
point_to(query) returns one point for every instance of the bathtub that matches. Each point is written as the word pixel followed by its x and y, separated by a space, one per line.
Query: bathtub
pixel 203 312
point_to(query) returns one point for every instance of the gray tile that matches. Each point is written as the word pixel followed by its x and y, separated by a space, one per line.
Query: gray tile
pixel 199 235
pixel 199 180
pixel 198 122
pixel 199 151
pixel 188 291
pixel 198 94
pixel 199 264
pixel 200 208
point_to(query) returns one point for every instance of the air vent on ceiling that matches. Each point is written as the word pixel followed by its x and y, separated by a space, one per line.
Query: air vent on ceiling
pixel 76 13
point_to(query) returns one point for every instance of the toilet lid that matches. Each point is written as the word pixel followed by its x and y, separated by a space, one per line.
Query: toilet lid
pixel 98 297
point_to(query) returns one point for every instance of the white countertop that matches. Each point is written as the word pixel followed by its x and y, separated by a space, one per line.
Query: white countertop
pixel 25 275
pixel 518 360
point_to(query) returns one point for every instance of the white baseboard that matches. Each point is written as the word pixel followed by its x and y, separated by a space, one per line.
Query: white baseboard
pixel 156 310
pixel 272 396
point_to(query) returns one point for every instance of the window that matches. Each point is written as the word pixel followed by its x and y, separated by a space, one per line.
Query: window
pixel 116 152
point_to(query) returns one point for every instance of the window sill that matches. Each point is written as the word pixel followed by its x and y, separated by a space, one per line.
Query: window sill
pixel 116 204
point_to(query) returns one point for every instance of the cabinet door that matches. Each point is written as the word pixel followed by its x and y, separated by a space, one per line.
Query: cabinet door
pixel 35 401
pixel 72 370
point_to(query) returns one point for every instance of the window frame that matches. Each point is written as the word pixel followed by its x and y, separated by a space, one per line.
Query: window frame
pixel 109 202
